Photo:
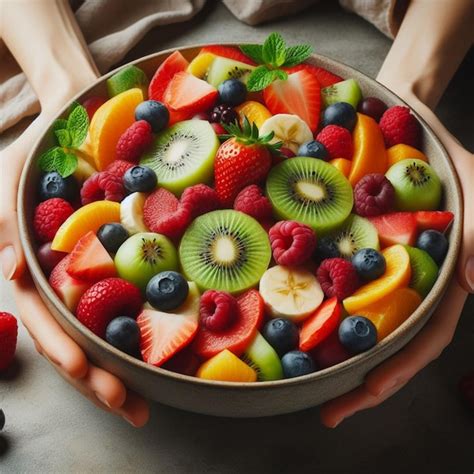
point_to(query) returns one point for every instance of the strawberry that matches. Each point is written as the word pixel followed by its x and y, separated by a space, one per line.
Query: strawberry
pixel 8 337
pixel 437 220
pixel 395 228
pixel 90 261
pixel 324 77
pixel 299 95
pixel 227 52
pixel 163 334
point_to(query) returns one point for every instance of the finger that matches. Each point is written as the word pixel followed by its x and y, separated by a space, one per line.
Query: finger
pixel 12 259
pixel 106 387
pixel 135 410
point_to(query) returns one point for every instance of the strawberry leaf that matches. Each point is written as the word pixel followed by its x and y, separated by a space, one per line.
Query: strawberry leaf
pixel 254 51
pixel 274 50
pixel 297 54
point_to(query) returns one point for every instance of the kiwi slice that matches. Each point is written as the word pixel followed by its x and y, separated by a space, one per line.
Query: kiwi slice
pixel 424 270
pixel 310 191
pixel 225 250
pixel 263 359
pixel 345 91
pixel 127 78
pixel 143 255
pixel 222 69
pixel 356 233
pixel 183 155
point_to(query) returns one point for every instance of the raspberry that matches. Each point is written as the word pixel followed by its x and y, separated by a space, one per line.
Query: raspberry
pixel 373 195
pixel 8 337
pixel 134 141
pixel 49 215
pixel 119 167
pixel 251 201
pixel 292 243
pixel 106 300
pixel 399 126
pixel 337 140
pixel 466 388
pixel 337 277
pixel 200 199
pixel 218 310
pixel 103 185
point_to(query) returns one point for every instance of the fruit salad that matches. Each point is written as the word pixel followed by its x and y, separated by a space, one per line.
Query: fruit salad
pixel 242 216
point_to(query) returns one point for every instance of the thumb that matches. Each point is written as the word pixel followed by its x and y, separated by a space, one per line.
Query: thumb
pixel 12 258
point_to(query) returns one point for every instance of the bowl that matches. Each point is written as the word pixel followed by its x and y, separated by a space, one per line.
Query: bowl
pixel 242 399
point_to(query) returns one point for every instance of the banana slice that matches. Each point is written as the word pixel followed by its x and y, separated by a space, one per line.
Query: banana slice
pixel 290 292
pixel 84 170
pixel 131 213
pixel 289 129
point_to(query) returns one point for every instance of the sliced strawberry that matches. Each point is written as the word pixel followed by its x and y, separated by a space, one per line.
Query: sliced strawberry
pixel 320 324
pixel 163 334
pixel 395 228
pixel 330 352
pixel 237 337
pixel 437 220
pixel 324 77
pixel 90 261
pixel 227 52
pixel 300 95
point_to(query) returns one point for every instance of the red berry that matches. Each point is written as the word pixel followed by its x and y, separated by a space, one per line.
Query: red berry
pixel 337 140
pixel 398 125
pixel 91 105
pixel 218 310
pixel 218 128
pixel 337 277
pixel 49 215
pixel 292 243
pixel 287 152
pixel 49 258
pixel 134 141
pixel 200 199
pixel 8 337
pixel 251 201
pixel 106 300
pixel 466 387
pixel 103 185
pixel 119 167
pixel 330 352
pixel 372 107
pixel 373 195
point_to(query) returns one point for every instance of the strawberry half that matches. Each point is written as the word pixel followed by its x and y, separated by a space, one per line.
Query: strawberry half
pixel 324 77
pixel 8 338
pixel 437 220
pixel 227 52
pixel 395 228
pixel 299 95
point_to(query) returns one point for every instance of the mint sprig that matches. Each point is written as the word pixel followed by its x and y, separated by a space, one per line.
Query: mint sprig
pixel 273 55
pixel 56 159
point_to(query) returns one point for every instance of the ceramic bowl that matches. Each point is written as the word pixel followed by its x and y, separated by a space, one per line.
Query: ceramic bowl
pixel 242 399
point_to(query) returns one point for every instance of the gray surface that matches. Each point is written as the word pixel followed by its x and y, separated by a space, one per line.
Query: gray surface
pixel 424 428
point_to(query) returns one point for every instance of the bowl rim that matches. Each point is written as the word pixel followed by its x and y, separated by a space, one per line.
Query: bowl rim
pixel 426 307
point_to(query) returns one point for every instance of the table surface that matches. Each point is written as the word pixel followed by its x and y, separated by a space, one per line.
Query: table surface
pixel 424 428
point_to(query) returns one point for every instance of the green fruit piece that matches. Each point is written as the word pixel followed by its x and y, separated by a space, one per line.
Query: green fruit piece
pixel 355 234
pixel 222 69
pixel 310 191
pixel 183 155
pixel 345 91
pixel 417 186
pixel 263 359
pixel 424 270
pixel 225 250
pixel 190 307
pixel 143 255
pixel 127 78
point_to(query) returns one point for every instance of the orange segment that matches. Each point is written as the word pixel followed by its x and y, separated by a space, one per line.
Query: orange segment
pixel 369 149
pixel 255 111
pixel 343 165
pixel 226 367
pixel 200 64
pixel 85 219
pixel 401 152
pixel 108 124
pixel 391 311
pixel 397 274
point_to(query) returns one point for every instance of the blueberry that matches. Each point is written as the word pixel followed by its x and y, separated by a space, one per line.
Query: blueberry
pixel 140 179
pixel 2 419
pixel 282 335
pixel 232 92
pixel 112 236
pixel 167 290
pixel 313 149
pixel 326 248
pixel 53 185
pixel 296 363
pixel 357 334
pixel 435 243
pixel 155 113
pixel 124 334
pixel 340 113
pixel 369 264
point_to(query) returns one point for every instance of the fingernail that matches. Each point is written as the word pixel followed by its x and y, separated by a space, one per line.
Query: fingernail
pixel 8 262
pixel 102 400
pixel 129 421
pixel 389 386
pixel 470 273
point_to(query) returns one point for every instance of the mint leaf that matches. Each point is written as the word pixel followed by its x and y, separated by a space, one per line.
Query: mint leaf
pixel 59 124
pixel 64 137
pixel 78 125
pixel 274 50
pixel 47 160
pixel 74 104
pixel 297 54
pixel 254 51
pixel 66 164
pixel 263 77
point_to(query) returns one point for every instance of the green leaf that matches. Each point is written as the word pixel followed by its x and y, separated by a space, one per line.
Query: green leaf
pixel 47 160
pixel 74 104
pixel 78 125
pixel 263 77
pixel 274 50
pixel 64 137
pixel 59 124
pixel 254 51
pixel 297 54
pixel 67 164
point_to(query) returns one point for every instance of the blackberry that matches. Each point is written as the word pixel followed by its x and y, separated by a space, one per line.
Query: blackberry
pixel 223 113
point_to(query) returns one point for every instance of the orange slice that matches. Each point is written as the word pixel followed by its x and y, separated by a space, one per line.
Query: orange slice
pixel 226 367
pixel 255 112
pixel 397 274
pixel 343 165
pixel 401 152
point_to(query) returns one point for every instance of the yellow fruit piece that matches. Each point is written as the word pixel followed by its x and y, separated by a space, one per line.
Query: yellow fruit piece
pixel 108 124
pixel 343 165
pixel 226 367
pixel 397 274
pixel 84 169
pixel 369 149
pixel 86 218
pixel 200 64
pixel 401 152
pixel 85 151
pixel 391 311
pixel 255 112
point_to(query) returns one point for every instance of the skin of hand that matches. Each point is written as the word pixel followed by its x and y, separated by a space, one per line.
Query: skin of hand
pixel 32 31
pixel 419 71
